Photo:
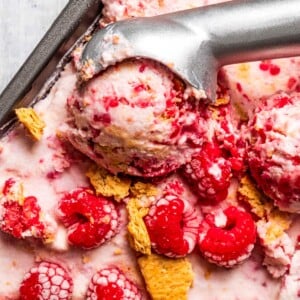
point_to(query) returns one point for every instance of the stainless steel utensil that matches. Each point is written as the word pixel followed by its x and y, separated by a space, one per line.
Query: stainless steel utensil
pixel 195 43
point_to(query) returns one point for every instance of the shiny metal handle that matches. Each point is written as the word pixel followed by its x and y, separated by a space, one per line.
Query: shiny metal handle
pixel 250 30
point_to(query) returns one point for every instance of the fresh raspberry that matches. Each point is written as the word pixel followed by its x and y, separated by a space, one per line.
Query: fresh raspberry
pixel 91 220
pixel 227 238
pixel 21 216
pixel 46 281
pixel 209 174
pixel 172 225
pixel 111 284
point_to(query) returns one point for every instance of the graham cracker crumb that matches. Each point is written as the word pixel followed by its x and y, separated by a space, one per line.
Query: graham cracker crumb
pixel 145 192
pixel 166 278
pixel 87 71
pixel 249 193
pixel 85 259
pixel 140 189
pixel 275 221
pixel 138 235
pixel 107 184
pixel 278 223
pixel 118 251
pixel 32 122
pixel 221 101
pixel 207 274
pixel 161 3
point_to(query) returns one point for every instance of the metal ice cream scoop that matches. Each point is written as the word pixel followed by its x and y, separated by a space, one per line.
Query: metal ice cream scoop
pixel 195 43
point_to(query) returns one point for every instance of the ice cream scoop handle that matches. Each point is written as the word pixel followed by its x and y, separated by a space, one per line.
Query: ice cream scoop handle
pixel 248 30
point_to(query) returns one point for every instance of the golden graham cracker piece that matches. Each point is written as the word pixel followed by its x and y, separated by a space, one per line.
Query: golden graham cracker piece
pixel 108 185
pixel 32 122
pixel 140 189
pixel 139 238
pixel 166 278
pixel 249 193
pixel 222 101
pixel 278 223
pixel 144 192
pixel 275 221
pixel 141 197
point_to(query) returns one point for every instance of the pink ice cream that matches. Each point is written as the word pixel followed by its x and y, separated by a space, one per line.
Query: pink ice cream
pixel 133 119
pixel 249 82
pixel 273 153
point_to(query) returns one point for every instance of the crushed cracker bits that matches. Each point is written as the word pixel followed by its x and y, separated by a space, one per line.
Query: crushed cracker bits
pixel 108 185
pixel 166 278
pixel 138 236
pixel 31 121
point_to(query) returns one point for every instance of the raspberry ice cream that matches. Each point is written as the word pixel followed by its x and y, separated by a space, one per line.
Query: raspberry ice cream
pixel 273 152
pixel 132 119
pixel 103 222
pixel 249 82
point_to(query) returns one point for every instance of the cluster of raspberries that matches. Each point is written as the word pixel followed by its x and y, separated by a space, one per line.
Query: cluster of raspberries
pixel 49 280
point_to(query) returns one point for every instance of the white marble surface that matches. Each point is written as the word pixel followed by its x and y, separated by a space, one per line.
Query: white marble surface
pixel 22 25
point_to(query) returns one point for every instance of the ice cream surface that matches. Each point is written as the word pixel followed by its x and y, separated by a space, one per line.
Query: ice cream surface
pixel 86 214
pixel 133 119
pixel 274 149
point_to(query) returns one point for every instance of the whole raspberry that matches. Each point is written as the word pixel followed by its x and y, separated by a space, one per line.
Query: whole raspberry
pixel 46 281
pixel 227 238
pixel 91 220
pixel 111 284
pixel 209 174
pixel 172 224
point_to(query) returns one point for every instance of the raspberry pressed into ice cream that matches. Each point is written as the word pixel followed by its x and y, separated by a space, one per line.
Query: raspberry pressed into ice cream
pixel 172 226
pixel 111 283
pixel 91 220
pixel 227 238
pixel 273 154
pixel 209 174
pixel 46 281
pixel 133 119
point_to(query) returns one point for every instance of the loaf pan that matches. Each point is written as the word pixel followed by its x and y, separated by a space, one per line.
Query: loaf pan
pixel 42 68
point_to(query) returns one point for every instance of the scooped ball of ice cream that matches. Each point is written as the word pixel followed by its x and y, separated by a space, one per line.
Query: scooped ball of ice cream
pixel 274 151
pixel 133 119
